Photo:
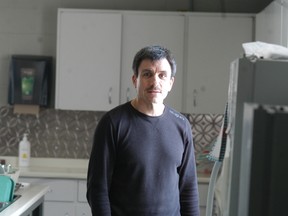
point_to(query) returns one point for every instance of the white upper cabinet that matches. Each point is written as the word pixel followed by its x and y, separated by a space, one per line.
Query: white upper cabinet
pixel 142 29
pixel 272 23
pixel 285 24
pixel 88 60
pixel 269 25
pixel 214 41
pixel 95 50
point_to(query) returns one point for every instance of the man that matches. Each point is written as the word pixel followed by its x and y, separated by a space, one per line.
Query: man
pixel 142 161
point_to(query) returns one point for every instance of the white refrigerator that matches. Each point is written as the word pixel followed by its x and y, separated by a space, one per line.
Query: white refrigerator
pixel 251 81
pixel 263 188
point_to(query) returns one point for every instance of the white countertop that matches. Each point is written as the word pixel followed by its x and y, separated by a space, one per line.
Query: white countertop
pixel 52 168
pixel 30 195
pixel 62 168
pixel 203 178
pixel 54 172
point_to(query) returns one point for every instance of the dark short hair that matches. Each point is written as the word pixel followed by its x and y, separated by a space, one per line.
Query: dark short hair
pixel 154 53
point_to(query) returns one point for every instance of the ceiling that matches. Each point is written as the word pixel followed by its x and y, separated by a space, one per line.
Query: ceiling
pixel 229 6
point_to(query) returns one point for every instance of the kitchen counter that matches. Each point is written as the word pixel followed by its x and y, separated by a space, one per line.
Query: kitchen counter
pixel 203 178
pixel 30 200
pixel 52 168
pixel 63 168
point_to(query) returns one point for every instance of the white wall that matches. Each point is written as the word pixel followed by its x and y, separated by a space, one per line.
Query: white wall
pixel 26 27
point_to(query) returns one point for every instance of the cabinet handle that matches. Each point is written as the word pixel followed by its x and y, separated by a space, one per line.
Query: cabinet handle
pixel 195 97
pixel 128 94
pixel 110 96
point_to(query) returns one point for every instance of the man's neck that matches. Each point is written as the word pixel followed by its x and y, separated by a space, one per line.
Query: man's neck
pixel 152 109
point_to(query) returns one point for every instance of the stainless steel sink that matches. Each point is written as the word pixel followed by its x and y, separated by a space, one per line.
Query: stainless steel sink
pixel 4 205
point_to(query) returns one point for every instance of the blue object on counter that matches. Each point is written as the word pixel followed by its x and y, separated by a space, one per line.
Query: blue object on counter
pixel 7 186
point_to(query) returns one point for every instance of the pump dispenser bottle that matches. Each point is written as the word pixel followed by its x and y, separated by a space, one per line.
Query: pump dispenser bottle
pixel 24 152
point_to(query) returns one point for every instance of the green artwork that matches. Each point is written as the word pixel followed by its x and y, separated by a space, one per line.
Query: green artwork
pixel 27 83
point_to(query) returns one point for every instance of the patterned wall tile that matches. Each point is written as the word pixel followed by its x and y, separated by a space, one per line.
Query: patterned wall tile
pixel 53 133
pixel 69 134
pixel 205 129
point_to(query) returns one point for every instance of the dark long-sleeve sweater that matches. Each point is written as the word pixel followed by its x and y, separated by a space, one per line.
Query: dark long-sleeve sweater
pixel 142 165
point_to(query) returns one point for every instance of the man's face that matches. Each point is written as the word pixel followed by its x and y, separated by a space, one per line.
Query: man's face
pixel 154 81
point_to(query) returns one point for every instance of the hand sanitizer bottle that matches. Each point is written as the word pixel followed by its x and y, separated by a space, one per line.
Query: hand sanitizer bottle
pixel 24 152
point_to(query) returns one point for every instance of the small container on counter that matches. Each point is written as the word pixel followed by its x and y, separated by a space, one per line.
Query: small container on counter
pixel 24 152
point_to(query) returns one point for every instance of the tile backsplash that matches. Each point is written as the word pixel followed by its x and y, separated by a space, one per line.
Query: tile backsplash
pixel 53 133
pixel 69 134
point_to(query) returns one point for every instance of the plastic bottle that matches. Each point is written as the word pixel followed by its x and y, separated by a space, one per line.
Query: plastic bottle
pixel 24 152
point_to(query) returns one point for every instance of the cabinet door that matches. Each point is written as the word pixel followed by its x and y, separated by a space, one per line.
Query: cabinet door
pixel 59 209
pixel 203 192
pixel 214 41
pixel 60 199
pixel 60 189
pixel 145 29
pixel 88 60
pixel 83 209
pixel 285 26
pixel 268 25
pixel 82 189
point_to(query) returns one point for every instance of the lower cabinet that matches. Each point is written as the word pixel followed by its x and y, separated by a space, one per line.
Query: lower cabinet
pixel 203 192
pixel 66 197
pixel 59 208
pixel 82 207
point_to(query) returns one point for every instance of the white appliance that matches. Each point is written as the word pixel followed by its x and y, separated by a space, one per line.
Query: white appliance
pixel 263 188
pixel 251 81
